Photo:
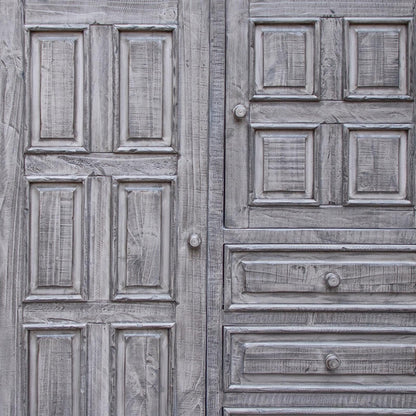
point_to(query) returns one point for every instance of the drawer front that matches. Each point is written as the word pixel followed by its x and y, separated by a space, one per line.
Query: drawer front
pixel 272 276
pixel 325 411
pixel 321 359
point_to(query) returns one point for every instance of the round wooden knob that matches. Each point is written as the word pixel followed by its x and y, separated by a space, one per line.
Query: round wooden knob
pixel 239 111
pixel 332 280
pixel 332 362
pixel 195 240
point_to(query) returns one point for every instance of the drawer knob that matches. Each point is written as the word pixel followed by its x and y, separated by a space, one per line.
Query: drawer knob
pixel 194 240
pixel 332 362
pixel 332 280
pixel 239 111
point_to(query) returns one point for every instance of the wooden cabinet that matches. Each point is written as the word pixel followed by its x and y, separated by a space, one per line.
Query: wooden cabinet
pixel 207 208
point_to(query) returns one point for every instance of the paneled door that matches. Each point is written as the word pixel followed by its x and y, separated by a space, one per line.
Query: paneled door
pixel 104 207
pixel 313 311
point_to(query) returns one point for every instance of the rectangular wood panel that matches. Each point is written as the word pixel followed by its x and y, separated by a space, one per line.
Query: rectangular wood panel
pixel 56 370
pixel 146 83
pixel 57 76
pixel 143 264
pixel 378 63
pixel 56 238
pixel 324 359
pixel 323 411
pixel 142 370
pixel 274 276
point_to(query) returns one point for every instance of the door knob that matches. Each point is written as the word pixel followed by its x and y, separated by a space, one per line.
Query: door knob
pixel 194 240
pixel 332 280
pixel 332 362
pixel 239 111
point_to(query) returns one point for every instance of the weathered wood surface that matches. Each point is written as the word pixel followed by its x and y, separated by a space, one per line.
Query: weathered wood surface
pixel 11 197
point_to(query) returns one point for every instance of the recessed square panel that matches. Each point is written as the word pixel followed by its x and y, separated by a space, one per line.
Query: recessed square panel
pixel 283 166
pixel 378 62
pixel 378 170
pixel 285 60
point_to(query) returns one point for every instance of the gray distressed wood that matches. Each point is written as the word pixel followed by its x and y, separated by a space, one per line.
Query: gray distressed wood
pixel 12 197
pixel 102 98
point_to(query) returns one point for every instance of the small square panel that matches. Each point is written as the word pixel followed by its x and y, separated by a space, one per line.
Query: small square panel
pixel 285 60
pixel 378 171
pixel 283 166
pixel 378 62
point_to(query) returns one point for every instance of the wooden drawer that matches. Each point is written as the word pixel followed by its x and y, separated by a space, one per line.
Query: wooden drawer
pixel 319 359
pixel 263 277
pixel 324 411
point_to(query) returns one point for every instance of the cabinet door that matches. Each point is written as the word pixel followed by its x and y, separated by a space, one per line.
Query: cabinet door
pixel 108 290
pixel 318 116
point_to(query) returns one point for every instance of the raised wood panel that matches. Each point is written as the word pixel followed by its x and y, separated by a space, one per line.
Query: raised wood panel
pixel 379 164
pixel 58 82
pixel 284 165
pixel 142 370
pixel 146 84
pixel 322 411
pixel 143 213
pixel 293 359
pixel 56 370
pixel 286 59
pixel 378 61
pixel 274 276
pixel 56 238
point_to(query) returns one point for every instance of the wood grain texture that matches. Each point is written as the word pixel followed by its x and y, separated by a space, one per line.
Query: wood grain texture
pixel 57 88
pixel 103 12
pixel 102 98
pixel 192 202
pixel 248 351
pixel 261 277
pixel 143 256
pixel 333 8
pixel 12 195
pixel 143 371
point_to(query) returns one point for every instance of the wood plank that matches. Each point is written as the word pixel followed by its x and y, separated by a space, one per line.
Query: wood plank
pixel 101 164
pixel 333 8
pixel 192 202
pixel 331 112
pixel 332 217
pixel 102 12
pixel 101 38
pixel 13 232
pixel 236 144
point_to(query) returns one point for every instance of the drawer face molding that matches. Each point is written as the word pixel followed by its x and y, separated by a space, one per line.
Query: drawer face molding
pixel 324 411
pixel 271 276
pixel 319 359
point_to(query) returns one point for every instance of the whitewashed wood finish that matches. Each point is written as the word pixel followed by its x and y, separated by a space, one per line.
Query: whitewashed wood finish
pixel 158 199
pixel 256 292
pixel 57 218
pixel 286 59
pixel 57 63
pixel 266 277
pixel 143 369
pixel 294 359
pixel 380 164
pixel 56 356
pixel 325 411
pixel 145 248
pixel 146 74
pixel 378 59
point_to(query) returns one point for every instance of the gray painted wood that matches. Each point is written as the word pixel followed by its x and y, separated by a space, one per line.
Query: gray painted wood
pixel 322 164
